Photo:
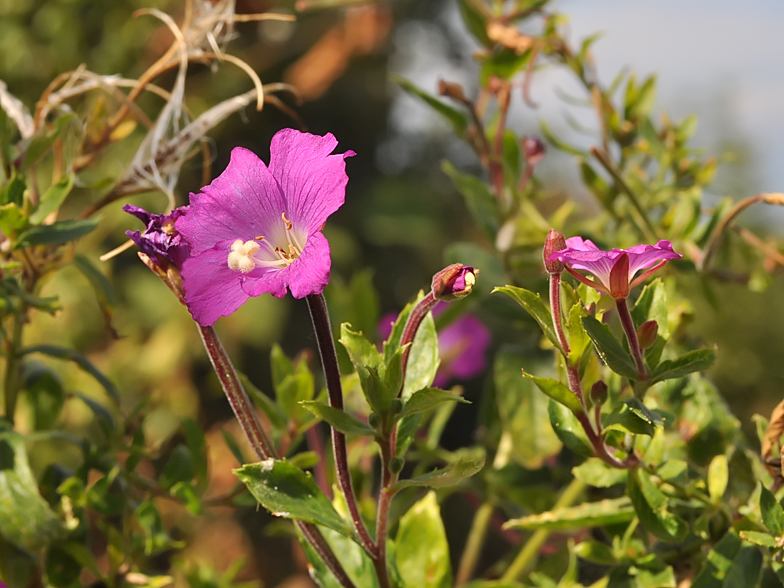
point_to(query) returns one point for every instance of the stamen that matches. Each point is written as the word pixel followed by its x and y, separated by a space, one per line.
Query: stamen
pixel 287 221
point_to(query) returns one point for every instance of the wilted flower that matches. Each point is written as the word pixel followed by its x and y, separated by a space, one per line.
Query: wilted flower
pixel 257 229
pixel 461 346
pixel 615 269
pixel 160 240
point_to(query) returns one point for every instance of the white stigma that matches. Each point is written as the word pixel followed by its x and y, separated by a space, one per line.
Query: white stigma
pixel 246 256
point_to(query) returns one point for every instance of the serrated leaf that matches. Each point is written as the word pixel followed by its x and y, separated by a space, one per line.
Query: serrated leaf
pixel 479 199
pixel 451 475
pixel 558 392
pixel 534 306
pixel 456 118
pixel 422 553
pixel 339 419
pixel 25 518
pixel 57 233
pixel 361 351
pixel 589 514
pixel 610 349
pixel 694 361
pixel 53 198
pixel 286 491
pixel 427 399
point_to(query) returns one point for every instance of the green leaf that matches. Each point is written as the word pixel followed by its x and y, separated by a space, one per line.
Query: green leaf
pixel 295 387
pixel 339 419
pixel 718 477
pixel 589 514
pixel 761 539
pixel 270 408
pixel 104 417
pixel 694 361
pixel 523 411
pixel 194 439
pixel 13 192
pixel 378 396
pixel 456 118
pixel 480 201
pixel 423 360
pixel 286 491
pixel 43 140
pixel 48 304
pixel 355 561
pixel 772 512
pixel 428 399
pixel 595 552
pixel 57 233
pixel 475 15
pixel 534 306
pixel 598 474
pixel 558 144
pixel 650 503
pixel 578 338
pixel 730 565
pixel 652 306
pixel 568 429
pixel 80 360
pixel 107 298
pixel 610 349
pixel 632 416
pixel 558 392
pixel 25 518
pixel 44 391
pixel 52 199
pixel 422 553
pixel 12 219
pixel 361 351
pixel 597 184
pixel 451 475
pixel 233 446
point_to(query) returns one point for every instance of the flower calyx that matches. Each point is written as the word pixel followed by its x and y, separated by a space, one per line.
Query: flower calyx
pixel 454 282
pixel 554 242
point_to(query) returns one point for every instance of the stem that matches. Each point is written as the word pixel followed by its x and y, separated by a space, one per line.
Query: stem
pixel 555 310
pixel 476 538
pixel 382 515
pixel 415 319
pixel 329 361
pixel 251 427
pixel 235 393
pixel 12 366
pixel 535 542
pixel 631 336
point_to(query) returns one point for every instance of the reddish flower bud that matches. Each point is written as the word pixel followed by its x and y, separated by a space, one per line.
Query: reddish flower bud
pixel 619 278
pixel 454 282
pixel 599 393
pixel 452 90
pixel 554 242
pixel 533 150
pixel 647 334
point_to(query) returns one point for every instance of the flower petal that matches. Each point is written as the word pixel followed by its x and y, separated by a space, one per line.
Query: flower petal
pixel 313 181
pixel 241 203
pixel 212 289
pixel 645 256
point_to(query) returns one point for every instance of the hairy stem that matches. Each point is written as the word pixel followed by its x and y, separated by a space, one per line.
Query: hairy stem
pixel 535 542
pixel 329 361
pixel 418 314
pixel 382 515
pixel 474 543
pixel 631 336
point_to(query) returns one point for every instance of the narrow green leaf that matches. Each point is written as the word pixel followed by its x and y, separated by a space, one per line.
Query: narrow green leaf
pixel 772 512
pixel 100 283
pixel 534 306
pixel 652 306
pixel 53 198
pixel 558 144
pixel 43 140
pixel 598 474
pixel 422 553
pixel 694 361
pixel 427 399
pixel 633 417
pixel 480 201
pixel 355 561
pixel 589 514
pixel 745 570
pixel 57 233
pixel 719 561
pixel 718 477
pixel 80 360
pixel 25 518
pixel 595 552
pixel 609 348
pixel 274 413
pixel 558 392
pixel 286 491
pixel 456 118
pixel 13 192
pixel 650 503
pixel 233 446
pixel 761 539
pixel 105 418
pixel 378 396
pixel 339 419
pixel 568 429
pixel 444 477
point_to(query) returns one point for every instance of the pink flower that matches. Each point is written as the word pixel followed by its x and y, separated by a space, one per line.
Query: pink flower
pixel 614 269
pixel 160 241
pixel 257 229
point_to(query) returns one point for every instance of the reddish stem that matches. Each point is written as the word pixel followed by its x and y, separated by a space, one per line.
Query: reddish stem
pixel 631 336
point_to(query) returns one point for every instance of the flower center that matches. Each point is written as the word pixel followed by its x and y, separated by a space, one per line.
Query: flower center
pixel 245 256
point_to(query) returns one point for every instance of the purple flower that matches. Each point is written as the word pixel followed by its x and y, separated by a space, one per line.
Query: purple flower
pixel 160 240
pixel 454 282
pixel 615 269
pixel 461 346
pixel 257 229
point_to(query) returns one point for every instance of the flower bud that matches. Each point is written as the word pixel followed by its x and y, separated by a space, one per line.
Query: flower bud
pixel 395 406
pixel 451 90
pixel 396 465
pixel 619 278
pixel 554 242
pixel 599 393
pixel 647 334
pixel 533 150
pixel 374 420
pixel 454 282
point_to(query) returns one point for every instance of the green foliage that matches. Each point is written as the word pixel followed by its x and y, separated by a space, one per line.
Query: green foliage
pixel 422 551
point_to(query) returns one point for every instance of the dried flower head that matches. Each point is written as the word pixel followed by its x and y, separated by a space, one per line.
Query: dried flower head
pixel 160 239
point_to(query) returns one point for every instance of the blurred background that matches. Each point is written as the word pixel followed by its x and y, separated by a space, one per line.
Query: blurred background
pixel 717 59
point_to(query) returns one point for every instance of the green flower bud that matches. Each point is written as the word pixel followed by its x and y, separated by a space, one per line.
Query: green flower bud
pixel 396 465
pixel 599 393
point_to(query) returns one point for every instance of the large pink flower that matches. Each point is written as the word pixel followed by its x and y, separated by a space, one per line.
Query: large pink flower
pixel 257 229
pixel 614 269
